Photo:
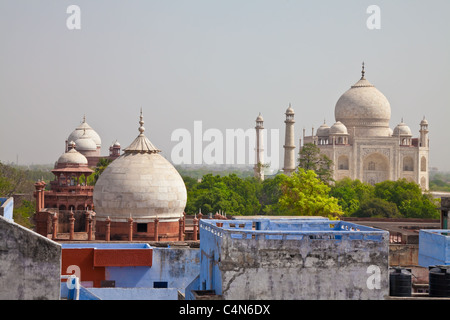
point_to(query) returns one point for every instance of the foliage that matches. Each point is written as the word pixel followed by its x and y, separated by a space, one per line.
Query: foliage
pixel 305 194
pixel 440 181
pixel 101 166
pixel 13 181
pixel 229 194
pixel 408 197
pixel 377 208
pixel 363 200
pixel 269 194
pixel 351 193
pixel 23 212
pixel 310 158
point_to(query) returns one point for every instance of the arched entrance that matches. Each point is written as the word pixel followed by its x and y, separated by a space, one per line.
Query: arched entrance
pixel 375 168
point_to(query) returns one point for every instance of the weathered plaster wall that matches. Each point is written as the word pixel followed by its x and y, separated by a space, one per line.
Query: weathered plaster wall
pixel 30 265
pixel 285 264
pixel 177 266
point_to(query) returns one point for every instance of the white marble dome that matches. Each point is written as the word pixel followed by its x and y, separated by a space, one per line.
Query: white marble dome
pixel 402 130
pixel 142 184
pixel 338 129
pixel 323 130
pixel 72 157
pixel 82 129
pixel 85 143
pixel 364 107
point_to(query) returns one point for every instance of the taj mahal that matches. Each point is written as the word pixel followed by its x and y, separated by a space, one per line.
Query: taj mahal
pixel 361 143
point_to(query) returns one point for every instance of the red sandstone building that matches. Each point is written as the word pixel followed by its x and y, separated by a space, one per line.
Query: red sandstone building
pixel 139 196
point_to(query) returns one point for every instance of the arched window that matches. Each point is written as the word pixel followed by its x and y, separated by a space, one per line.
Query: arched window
pixel 423 164
pixel 371 166
pixel 408 164
pixel 343 163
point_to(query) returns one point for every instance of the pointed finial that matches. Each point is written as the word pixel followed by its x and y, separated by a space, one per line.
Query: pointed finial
pixel 363 72
pixel 141 122
pixel 84 118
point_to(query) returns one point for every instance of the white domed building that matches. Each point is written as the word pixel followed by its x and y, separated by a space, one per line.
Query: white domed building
pixel 89 144
pixel 362 145
pixel 140 190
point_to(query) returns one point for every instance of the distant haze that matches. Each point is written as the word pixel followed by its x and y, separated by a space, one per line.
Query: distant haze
pixel 220 62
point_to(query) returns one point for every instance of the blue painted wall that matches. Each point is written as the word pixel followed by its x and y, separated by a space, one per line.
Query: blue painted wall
pixel 434 247
pixel 237 258
pixel 6 208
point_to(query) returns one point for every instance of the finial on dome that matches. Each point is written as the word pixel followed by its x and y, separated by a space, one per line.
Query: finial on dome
pixel 84 118
pixel 363 72
pixel 141 122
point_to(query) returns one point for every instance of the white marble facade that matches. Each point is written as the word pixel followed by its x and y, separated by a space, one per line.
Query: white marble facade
pixel 363 146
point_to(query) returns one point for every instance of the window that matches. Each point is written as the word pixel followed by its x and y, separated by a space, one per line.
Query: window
pixel 141 227
pixel 423 164
pixel 408 164
pixel 160 284
pixel 372 166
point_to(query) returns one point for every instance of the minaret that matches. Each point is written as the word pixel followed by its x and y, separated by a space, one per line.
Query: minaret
pixel 424 133
pixel 289 144
pixel 259 164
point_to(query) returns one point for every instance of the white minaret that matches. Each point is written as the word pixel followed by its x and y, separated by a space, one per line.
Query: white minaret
pixel 424 133
pixel 259 164
pixel 289 144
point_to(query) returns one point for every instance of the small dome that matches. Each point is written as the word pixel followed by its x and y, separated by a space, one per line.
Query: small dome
pixel 402 130
pixel 323 131
pixel 85 143
pixel 289 110
pixel 338 128
pixel 260 118
pixel 116 144
pixel 424 122
pixel 72 157
pixel 82 129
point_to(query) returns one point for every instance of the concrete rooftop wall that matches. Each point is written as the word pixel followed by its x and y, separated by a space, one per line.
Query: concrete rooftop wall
pixel 434 247
pixel 30 265
pixel 299 260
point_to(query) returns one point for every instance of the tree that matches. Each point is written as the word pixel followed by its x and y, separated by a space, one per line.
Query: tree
pixel 310 158
pixel 408 198
pixel 101 166
pixel 305 194
pixel 351 193
pixel 377 208
pixel 229 194
pixel 269 194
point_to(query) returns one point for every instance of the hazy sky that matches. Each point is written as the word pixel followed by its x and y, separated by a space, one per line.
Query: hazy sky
pixel 216 61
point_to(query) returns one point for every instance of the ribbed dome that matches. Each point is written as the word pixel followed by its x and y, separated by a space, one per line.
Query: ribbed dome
pixel 82 129
pixel 402 130
pixel 338 128
pixel 72 157
pixel 140 183
pixel 365 108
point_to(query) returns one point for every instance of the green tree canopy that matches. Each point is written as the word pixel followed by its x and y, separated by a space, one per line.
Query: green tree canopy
pixel 229 194
pixel 310 158
pixel 303 193
pixel 377 208
pixel 350 193
pixel 409 199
